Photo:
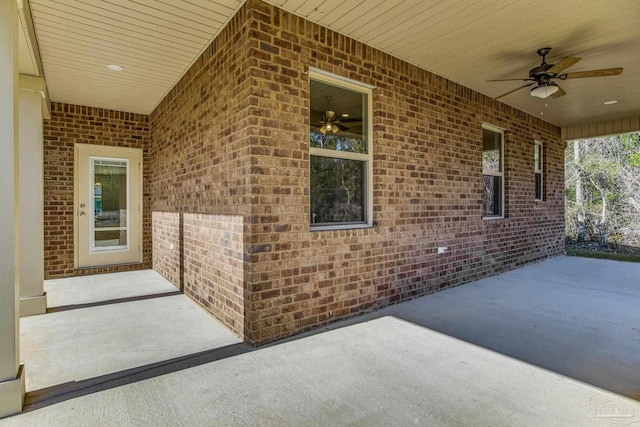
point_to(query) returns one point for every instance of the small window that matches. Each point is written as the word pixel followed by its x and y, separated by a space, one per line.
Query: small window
pixel 492 172
pixel 538 166
pixel 340 153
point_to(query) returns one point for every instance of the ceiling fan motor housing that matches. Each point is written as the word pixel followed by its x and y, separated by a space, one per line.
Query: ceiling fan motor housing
pixel 541 71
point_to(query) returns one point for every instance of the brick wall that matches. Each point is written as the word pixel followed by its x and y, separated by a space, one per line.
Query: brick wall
pixel 213 266
pixel 232 139
pixel 200 162
pixel 427 184
pixel 166 243
pixel 71 124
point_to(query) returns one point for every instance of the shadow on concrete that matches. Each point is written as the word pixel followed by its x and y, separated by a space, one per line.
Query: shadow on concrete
pixel 612 376
pixel 577 317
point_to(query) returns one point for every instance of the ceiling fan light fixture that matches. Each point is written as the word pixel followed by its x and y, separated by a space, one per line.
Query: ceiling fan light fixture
pixel 544 90
pixel 329 122
pixel 329 127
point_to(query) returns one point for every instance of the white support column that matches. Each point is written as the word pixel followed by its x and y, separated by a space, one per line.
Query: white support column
pixel 33 299
pixel 11 373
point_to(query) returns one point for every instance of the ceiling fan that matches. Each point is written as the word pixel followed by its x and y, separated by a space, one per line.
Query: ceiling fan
pixel 331 123
pixel 543 76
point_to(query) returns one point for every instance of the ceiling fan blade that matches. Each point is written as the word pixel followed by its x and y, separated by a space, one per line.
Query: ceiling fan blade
pixel 341 127
pixel 559 93
pixel 508 80
pixel 514 90
pixel 563 64
pixel 593 73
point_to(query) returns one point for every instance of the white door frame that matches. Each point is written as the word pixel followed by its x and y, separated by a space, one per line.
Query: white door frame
pixel 84 213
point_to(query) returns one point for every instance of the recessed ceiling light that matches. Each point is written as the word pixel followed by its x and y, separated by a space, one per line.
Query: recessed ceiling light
pixel 613 101
pixel 114 67
pixel 345 115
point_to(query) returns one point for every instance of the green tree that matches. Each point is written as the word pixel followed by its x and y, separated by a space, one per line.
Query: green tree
pixel 602 189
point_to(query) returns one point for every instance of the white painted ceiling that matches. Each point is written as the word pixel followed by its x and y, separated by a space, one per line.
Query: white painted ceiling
pixel 155 41
pixel 467 41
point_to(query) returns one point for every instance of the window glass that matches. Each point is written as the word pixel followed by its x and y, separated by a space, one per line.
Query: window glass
pixel 337 190
pixel 109 203
pixel 538 170
pixel 339 154
pixel 492 173
pixel 338 118
pixel 491 147
pixel 338 142
pixel 491 195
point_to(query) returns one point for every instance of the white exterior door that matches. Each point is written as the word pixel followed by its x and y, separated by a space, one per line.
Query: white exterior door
pixel 108 205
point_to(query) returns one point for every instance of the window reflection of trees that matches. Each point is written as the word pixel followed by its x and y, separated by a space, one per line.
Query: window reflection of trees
pixel 337 185
pixel 491 160
pixel 338 142
pixel 491 204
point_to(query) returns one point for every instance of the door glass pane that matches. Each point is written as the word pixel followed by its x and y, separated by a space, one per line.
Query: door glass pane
pixel 110 197
pixel 108 238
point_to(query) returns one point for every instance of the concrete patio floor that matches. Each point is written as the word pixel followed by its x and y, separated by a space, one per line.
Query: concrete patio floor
pixel 103 324
pixel 575 316
pixel 534 346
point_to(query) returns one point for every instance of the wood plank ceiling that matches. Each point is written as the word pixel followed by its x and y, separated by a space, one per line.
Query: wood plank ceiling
pixel 154 41
pixel 468 41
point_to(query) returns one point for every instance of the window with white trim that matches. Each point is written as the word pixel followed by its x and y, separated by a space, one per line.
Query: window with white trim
pixel 340 153
pixel 538 160
pixel 492 172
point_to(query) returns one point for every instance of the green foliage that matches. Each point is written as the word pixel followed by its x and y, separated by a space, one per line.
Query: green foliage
pixel 570 193
pixel 634 159
pixel 607 171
